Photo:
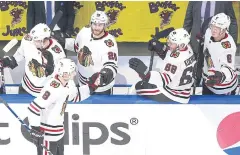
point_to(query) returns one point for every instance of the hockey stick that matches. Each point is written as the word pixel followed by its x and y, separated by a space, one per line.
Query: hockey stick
pixel 6 49
pixel 158 35
pixel 199 60
pixel 22 122
pixel 55 20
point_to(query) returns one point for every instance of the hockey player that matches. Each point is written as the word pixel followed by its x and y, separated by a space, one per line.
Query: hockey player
pixel 174 81
pixel 46 112
pixel 219 75
pixel 40 52
pixel 97 51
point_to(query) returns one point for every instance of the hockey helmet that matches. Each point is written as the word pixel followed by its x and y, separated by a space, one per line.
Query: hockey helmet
pixel 65 65
pixel 179 36
pixel 221 20
pixel 40 32
pixel 99 17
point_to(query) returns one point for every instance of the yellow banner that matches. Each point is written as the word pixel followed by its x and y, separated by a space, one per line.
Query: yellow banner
pixel 131 21
pixel 12 19
pixel 135 21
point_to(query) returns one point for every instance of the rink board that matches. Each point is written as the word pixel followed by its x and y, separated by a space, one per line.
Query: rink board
pixel 133 125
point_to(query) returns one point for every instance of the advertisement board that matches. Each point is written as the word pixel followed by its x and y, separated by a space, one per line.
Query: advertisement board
pixel 131 21
pixel 107 129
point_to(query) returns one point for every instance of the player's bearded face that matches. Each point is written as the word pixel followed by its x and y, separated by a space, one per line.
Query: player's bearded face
pixel 38 43
pixel 97 28
pixel 216 31
pixel 172 46
pixel 41 43
pixel 70 76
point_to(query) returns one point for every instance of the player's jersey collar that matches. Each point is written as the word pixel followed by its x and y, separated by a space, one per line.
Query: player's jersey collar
pixel 185 49
pixel 56 77
pixel 105 34
pixel 226 35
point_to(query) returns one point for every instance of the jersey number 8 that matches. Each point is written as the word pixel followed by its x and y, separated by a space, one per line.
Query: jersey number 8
pixel 112 56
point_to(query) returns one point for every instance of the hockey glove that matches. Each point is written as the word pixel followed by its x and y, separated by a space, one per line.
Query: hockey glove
pixel 142 70
pixel 8 61
pixel 106 75
pixel 158 47
pixel 216 78
pixel 93 83
pixel 36 135
pixel 59 36
pixel 49 66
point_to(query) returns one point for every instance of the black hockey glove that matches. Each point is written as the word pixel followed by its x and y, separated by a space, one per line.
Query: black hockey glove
pixel 92 82
pixel 142 70
pixel 215 79
pixel 49 67
pixel 59 36
pixel 106 75
pixel 9 61
pixel 158 47
pixel 37 136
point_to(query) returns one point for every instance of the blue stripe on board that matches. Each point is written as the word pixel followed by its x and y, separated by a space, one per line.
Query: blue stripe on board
pixel 131 99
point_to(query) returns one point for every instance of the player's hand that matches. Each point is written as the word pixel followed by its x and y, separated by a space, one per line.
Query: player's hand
pixel 36 135
pixel 137 65
pixel 94 82
pixel 106 75
pixel 158 47
pixel 215 77
pixel 48 62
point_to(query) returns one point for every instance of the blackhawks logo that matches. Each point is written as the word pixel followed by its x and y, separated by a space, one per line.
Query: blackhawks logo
pixel 55 84
pixel 226 44
pixel 174 54
pixel 85 57
pixel 37 71
pixel 56 49
pixel 109 43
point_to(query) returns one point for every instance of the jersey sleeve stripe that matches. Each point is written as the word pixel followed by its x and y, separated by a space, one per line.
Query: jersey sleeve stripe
pixel 231 71
pixel 33 102
pixel 165 78
pixel 109 63
pixel 148 91
pixel 51 130
pixel 34 108
pixel 113 68
pixel 184 95
pixel 50 134
pixel 38 114
pixel 30 85
pixel 51 126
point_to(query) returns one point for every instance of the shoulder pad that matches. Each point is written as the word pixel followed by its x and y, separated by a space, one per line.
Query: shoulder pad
pixel 87 26
pixel 226 44
pixel 109 42
pixel 55 84
pixel 28 37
